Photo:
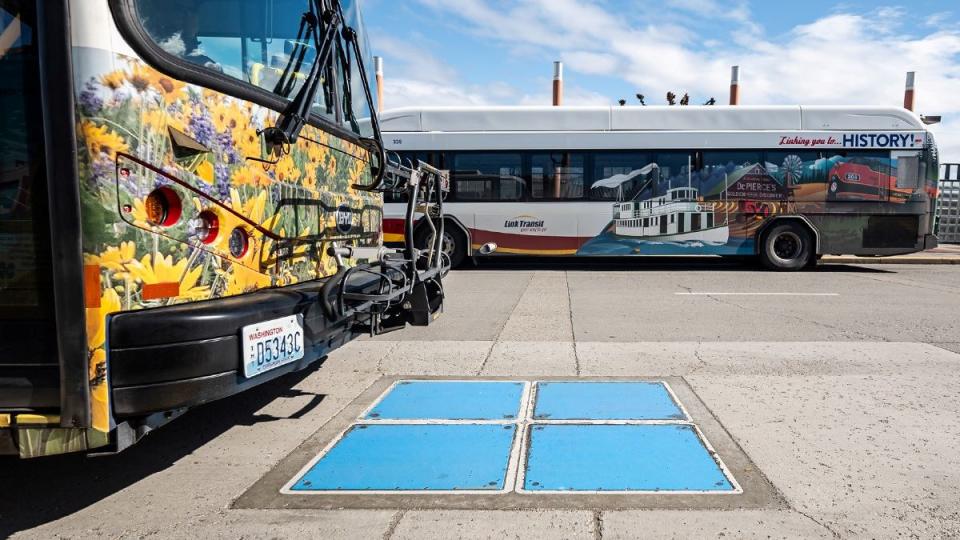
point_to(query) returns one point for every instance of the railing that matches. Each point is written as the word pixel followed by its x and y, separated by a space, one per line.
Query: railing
pixel 947 226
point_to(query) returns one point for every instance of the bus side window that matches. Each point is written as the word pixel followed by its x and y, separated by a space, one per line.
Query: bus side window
pixel 908 172
pixel 673 171
pixel 722 170
pixel 618 175
pixel 557 175
pixel 487 176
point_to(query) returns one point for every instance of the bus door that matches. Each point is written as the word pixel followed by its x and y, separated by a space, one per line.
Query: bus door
pixel 29 369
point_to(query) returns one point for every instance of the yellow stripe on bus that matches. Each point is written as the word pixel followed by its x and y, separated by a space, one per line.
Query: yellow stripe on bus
pixel 4 420
pixel 37 419
pixel 517 251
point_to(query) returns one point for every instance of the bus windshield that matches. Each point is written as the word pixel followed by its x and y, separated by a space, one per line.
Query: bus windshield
pixel 267 43
pixel 359 106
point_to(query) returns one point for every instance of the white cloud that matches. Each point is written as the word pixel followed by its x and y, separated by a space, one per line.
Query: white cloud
pixel 937 19
pixel 414 76
pixel 572 95
pixel 405 92
pixel 414 61
pixel 590 62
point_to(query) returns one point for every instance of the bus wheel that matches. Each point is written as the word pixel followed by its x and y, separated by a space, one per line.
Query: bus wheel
pixel 788 246
pixel 454 244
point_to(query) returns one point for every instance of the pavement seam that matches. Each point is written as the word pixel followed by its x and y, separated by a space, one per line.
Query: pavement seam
pixel 388 354
pixel 394 522
pixel 701 363
pixel 573 334
pixel 496 338
pixel 777 494
pixel 834 533
pixel 938 343
pixel 598 524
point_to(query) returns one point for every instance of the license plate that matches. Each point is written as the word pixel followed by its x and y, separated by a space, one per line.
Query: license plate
pixel 270 344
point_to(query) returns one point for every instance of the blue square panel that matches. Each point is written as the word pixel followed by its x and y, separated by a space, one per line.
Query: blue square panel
pixel 394 457
pixel 605 457
pixel 605 401
pixel 450 400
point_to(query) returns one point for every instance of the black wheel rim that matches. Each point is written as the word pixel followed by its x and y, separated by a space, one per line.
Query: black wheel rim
pixel 787 246
pixel 447 244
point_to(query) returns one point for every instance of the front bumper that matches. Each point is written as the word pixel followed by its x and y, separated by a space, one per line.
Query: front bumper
pixel 185 355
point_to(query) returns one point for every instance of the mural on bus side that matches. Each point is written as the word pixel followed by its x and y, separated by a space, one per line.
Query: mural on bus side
pixel 138 131
pixel 718 209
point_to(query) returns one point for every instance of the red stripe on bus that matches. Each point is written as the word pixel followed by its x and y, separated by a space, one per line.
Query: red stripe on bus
pixel 526 241
pixel 393 226
pixel 156 291
pixel 91 285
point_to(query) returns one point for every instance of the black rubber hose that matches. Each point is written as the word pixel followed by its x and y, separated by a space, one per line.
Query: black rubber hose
pixel 328 308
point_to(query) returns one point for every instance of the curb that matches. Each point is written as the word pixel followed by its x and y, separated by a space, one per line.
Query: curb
pixel 891 260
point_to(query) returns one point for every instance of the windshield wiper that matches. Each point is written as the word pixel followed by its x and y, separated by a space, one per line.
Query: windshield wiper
pixel 287 80
pixel 291 122
pixel 374 144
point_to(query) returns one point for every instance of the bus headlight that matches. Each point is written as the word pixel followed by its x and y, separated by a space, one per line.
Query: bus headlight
pixel 239 242
pixel 207 227
pixel 163 207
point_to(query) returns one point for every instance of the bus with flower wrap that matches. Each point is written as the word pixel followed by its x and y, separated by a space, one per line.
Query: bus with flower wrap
pixel 190 205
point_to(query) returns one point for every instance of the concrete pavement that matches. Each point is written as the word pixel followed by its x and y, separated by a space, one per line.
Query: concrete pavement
pixel 849 404
pixel 942 254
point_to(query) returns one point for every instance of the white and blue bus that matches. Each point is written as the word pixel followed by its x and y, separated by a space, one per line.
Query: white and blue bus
pixel 784 183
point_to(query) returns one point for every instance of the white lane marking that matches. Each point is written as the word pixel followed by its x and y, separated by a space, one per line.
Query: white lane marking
pixel 756 294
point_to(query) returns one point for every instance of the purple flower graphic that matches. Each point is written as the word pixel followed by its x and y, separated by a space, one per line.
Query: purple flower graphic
pixel 202 128
pixel 90 102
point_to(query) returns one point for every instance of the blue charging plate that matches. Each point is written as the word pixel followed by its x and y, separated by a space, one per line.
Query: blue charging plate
pixel 597 457
pixel 427 457
pixel 608 400
pixel 450 400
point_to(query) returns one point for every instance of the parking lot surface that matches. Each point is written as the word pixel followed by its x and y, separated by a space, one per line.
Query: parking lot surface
pixel 841 386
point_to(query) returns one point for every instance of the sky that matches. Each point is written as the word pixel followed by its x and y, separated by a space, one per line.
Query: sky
pixel 479 52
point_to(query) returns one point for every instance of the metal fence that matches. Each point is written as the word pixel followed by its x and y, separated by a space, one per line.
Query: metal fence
pixel 948 204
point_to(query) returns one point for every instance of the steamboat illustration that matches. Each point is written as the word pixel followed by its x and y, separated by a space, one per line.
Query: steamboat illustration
pixel 676 216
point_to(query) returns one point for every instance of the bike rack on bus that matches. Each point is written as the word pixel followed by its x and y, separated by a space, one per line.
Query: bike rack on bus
pixel 409 287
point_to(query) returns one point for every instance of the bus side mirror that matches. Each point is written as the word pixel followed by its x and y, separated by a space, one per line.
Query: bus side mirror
pixel 487 248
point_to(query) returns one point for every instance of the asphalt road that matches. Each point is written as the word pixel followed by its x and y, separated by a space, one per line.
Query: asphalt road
pixel 668 300
pixel 842 385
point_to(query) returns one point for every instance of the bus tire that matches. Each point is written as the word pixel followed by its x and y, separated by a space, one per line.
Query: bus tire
pixel 454 242
pixel 787 247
